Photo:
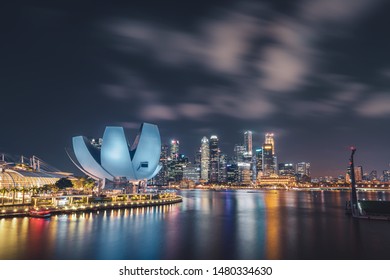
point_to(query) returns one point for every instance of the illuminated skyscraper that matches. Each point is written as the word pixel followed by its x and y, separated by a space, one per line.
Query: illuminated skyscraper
pixel 222 168
pixel 161 178
pixel 269 139
pixel 358 173
pixel 248 142
pixel 239 152
pixel 303 171
pixel 174 149
pixel 214 159
pixel 268 160
pixel 204 159
pixel 286 169
pixel 259 162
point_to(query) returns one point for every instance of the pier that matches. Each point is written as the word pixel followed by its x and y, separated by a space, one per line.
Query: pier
pixel 104 203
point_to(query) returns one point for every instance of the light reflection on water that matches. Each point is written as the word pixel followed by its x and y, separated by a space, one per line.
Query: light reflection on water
pixel 207 225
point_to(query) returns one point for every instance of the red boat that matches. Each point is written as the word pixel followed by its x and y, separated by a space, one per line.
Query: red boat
pixel 39 213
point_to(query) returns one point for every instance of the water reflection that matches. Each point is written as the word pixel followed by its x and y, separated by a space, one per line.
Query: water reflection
pixel 206 225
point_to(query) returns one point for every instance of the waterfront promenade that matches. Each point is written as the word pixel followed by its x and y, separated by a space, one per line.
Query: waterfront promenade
pixel 85 203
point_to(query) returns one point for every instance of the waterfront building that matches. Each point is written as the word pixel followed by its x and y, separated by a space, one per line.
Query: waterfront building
pixel 275 180
pixel 204 159
pixel 20 180
pixel 303 171
pixel 214 159
pixel 115 159
pixel 232 173
pixel 286 169
pixel 244 173
pixel 14 178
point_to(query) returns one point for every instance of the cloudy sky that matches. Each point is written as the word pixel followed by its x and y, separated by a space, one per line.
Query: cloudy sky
pixel 314 72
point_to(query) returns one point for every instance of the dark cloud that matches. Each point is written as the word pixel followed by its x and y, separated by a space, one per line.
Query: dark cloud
pixel 313 71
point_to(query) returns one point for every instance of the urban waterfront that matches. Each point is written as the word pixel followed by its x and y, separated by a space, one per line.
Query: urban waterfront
pixel 242 224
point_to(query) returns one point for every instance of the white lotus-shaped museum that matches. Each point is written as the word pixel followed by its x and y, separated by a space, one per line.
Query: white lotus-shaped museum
pixel 116 158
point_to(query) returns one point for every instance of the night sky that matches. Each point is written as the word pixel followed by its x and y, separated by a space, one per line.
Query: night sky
pixel 315 72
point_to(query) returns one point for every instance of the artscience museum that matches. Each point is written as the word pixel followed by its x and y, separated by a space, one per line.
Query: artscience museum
pixel 114 159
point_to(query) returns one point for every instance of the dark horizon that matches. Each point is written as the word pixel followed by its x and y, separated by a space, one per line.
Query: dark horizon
pixel 314 72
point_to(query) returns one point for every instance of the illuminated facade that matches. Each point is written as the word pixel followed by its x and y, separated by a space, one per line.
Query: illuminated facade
pixel 13 178
pixel 303 171
pixel 275 180
pixel 214 159
pixel 248 142
pixel 286 169
pixel 204 159
pixel 269 139
pixel 174 149
pixel 116 159
pixel 268 160
pixel 259 162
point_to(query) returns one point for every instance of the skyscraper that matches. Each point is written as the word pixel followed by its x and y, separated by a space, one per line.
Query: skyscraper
pixel 259 162
pixel 214 159
pixel 268 160
pixel 204 159
pixel 162 176
pixel 358 173
pixel 174 149
pixel 239 152
pixel 271 164
pixel 286 169
pixel 303 171
pixel 222 168
pixel 248 142
pixel 269 139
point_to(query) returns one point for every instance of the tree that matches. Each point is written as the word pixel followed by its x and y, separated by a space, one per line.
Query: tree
pixel 24 189
pixel 89 185
pixel 14 189
pixel 3 191
pixel 64 183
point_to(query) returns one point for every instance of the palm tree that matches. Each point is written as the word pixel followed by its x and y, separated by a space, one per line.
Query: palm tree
pixel 24 189
pixel 34 190
pixel 3 191
pixel 13 190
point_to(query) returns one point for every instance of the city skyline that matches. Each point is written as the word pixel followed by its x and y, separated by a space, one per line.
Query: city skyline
pixel 315 73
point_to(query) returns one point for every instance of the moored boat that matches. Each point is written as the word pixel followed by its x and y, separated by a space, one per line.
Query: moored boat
pixel 39 213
